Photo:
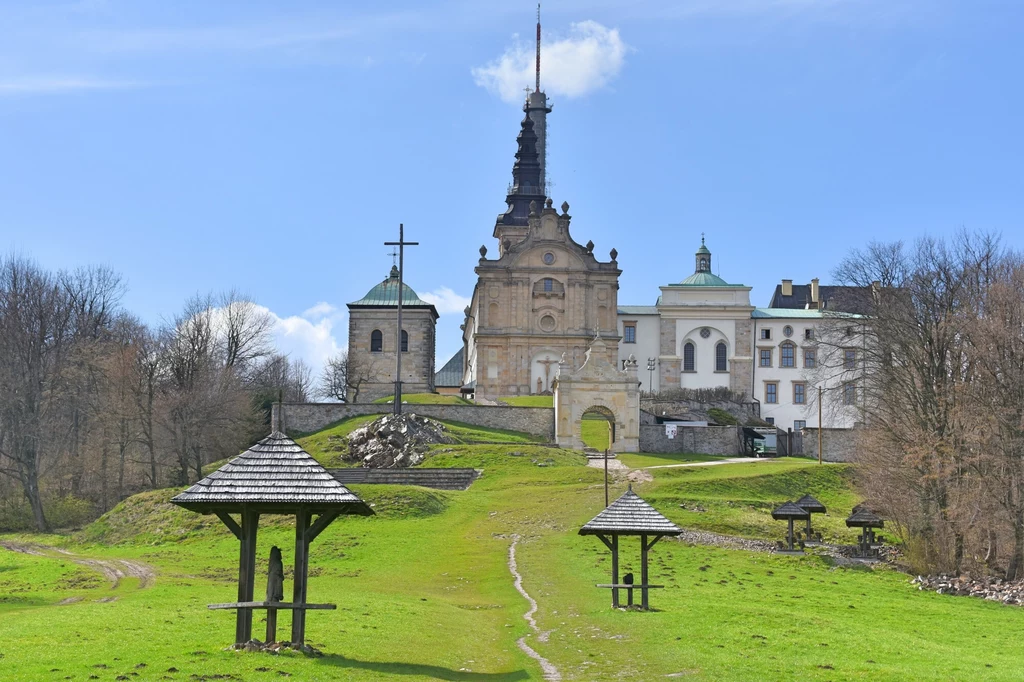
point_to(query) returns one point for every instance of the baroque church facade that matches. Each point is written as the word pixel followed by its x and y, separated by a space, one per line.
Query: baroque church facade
pixel 544 296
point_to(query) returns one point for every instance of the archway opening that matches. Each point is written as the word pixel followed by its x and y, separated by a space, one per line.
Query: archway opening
pixel 597 428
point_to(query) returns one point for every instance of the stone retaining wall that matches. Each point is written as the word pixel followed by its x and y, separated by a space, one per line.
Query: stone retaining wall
pixel 709 440
pixel 537 421
pixel 840 444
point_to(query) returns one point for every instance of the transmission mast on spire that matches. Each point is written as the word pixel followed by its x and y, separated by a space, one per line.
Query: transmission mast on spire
pixel 538 48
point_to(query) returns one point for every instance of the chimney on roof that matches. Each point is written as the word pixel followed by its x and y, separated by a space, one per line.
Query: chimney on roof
pixel 815 301
pixel 787 287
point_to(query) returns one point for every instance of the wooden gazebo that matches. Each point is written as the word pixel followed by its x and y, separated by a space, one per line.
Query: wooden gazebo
pixel 867 521
pixel 811 506
pixel 630 515
pixel 790 512
pixel 275 476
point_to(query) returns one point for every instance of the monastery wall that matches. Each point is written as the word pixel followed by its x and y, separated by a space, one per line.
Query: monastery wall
pixel 537 421
pixel 709 440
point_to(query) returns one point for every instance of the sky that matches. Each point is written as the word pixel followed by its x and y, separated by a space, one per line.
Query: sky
pixel 272 147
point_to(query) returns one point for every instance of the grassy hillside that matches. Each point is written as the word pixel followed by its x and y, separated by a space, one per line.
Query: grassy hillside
pixel 528 400
pixel 425 593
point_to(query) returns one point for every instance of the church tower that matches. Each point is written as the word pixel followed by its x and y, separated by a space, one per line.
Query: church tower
pixel 545 297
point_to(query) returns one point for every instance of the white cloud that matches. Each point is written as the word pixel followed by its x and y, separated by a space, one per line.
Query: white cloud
pixel 321 309
pixel 56 85
pixel 308 340
pixel 446 301
pixel 581 62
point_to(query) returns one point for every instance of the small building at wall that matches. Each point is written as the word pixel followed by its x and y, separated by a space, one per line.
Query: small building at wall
pixel 373 339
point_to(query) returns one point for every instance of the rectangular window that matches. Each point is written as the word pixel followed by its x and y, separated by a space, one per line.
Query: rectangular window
pixel 771 392
pixel 850 359
pixel 849 394
pixel 548 284
pixel 787 355
pixel 810 358
pixel 629 333
pixel 799 424
pixel 770 420
pixel 766 357
pixel 766 334
pixel 799 394
pixel 809 334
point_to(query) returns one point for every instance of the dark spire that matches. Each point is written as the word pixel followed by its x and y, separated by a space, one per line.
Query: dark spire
pixel 526 177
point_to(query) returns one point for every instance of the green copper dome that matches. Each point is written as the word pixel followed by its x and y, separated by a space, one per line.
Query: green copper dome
pixel 386 294
pixel 704 279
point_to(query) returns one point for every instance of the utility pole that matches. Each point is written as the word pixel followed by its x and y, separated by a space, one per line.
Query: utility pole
pixel 819 424
pixel 401 244
pixel 606 478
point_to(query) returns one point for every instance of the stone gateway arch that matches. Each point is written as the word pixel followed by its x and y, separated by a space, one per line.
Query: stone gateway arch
pixel 598 386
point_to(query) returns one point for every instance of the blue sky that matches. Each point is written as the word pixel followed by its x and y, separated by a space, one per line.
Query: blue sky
pixel 272 147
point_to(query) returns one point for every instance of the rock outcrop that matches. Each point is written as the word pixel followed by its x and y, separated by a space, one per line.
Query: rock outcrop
pixel 394 441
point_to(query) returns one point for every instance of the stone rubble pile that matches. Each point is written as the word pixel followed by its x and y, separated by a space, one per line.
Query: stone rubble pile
pixel 701 537
pixel 392 442
pixel 991 589
pixel 254 645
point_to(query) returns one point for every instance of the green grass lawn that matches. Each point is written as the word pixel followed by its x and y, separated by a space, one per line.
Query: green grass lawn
pixel 528 400
pixel 424 591
pixel 425 399
pixel 637 460
pixel 596 433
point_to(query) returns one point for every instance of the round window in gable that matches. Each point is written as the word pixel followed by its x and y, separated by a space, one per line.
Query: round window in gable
pixel 705 333
pixel 549 258
pixel 787 330
pixel 547 323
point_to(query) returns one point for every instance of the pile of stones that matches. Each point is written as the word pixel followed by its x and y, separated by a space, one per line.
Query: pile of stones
pixel 394 441
pixel 254 645
pixel 992 589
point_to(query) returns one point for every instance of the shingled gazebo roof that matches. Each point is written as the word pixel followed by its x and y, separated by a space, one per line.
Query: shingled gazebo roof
pixel 630 515
pixel 810 504
pixel 790 511
pixel 273 476
pixel 864 518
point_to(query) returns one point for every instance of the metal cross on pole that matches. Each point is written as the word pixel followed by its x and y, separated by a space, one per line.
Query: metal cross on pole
pixel 401 244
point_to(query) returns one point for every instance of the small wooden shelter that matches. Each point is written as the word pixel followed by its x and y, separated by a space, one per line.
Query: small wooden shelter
pixel 811 506
pixel 867 521
pixel 790 512
pixel 275 476
pixel 630 515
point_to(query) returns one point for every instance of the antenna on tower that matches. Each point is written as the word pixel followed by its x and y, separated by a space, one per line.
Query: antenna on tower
pixel 538 47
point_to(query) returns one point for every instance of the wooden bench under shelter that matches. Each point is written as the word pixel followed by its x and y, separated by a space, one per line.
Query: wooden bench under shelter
pixel 867 543
pixel 274 476
pixel 630 515
pixel 811 506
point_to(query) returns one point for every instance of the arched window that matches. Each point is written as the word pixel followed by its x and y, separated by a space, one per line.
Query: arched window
pixel 721 357
pixel 376 341
pixel 688 364
pixel 405 341
pixel 787 355
pixel 703 264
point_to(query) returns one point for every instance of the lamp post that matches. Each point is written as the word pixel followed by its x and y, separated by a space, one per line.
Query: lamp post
pixel 650 375
pixel 819 424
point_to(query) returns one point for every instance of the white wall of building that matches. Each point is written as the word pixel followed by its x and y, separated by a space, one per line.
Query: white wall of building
pixel 704 374
pixel 786 412
pixel 648 345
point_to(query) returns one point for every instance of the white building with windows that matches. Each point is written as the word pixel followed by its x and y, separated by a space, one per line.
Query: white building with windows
pixel 704 333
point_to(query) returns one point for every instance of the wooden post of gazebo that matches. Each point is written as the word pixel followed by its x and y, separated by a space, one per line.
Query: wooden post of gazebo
pixel 275 476
pixel 630 515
